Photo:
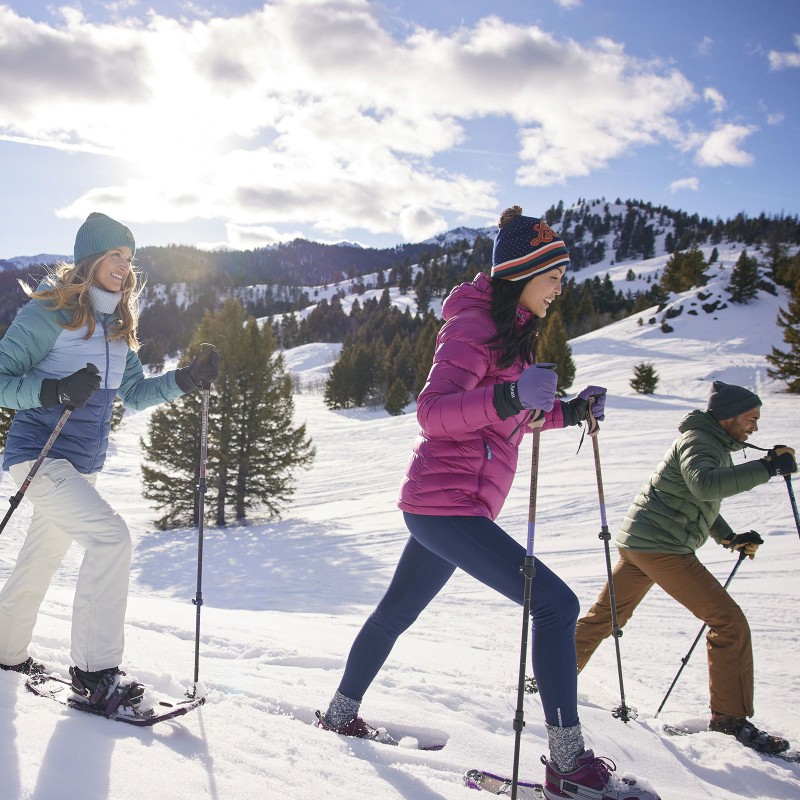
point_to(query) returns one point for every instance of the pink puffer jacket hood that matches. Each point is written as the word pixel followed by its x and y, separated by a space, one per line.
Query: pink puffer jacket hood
pixel 465 456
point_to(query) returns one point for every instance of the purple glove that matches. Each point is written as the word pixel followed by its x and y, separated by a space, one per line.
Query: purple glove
pixel 536 387
pixel 599 405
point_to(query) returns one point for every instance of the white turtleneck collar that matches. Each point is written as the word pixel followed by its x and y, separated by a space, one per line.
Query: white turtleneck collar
pixel 102 301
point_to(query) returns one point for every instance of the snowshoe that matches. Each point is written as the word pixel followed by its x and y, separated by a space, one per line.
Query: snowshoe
pixel 748 734
pixel 28 667
pixel 105 690
pixel 357 728
pixel 592 777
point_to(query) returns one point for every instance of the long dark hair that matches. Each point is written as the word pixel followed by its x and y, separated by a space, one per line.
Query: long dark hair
pixel 513 342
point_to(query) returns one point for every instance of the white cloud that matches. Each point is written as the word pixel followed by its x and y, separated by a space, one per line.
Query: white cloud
pixel 685 184
pixel 716 98
pixel 569 3
pixel 242 237
pixel 309 112
pixel 704 46
pixel 782 60
pixel 721 147
pixel 774 119
pixel 418 223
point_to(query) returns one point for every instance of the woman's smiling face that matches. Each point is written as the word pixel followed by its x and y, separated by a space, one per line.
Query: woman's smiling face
pixel 541 290
pixel 112 271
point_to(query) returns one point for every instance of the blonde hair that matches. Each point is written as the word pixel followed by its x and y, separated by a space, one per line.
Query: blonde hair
pixel 70 291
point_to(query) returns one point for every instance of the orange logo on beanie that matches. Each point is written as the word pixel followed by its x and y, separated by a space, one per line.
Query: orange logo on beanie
pixel 544 233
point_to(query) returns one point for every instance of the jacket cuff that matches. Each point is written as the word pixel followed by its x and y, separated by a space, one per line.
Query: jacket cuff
pixel 48 394
pixel 506 401
pixel 184 380
pixel 574 411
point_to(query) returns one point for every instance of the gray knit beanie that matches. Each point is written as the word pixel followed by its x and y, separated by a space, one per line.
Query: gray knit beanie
pixel 726 400
pixel 100 233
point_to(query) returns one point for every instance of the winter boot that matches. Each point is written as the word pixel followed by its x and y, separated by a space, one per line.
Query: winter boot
pixel 29 667
pixel 592 779
pixel 106 690
pixel 356 727
pixel 747 733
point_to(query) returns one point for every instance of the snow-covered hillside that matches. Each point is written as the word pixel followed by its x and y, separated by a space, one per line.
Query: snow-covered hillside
pixel 284 599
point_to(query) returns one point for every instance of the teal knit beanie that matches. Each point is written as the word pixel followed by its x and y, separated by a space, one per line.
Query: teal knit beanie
pixel 100 233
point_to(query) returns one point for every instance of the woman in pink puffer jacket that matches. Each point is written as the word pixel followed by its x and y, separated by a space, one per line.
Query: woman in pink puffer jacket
pixel 481 391
pixel 465 456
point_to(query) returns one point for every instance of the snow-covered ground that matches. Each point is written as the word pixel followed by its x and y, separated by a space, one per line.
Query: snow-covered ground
pixel 283 601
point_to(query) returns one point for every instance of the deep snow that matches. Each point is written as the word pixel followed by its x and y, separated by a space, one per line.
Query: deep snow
pixel 284 599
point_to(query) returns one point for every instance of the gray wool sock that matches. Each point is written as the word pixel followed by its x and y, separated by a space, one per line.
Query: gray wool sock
pixel 566 744
pixel 341 710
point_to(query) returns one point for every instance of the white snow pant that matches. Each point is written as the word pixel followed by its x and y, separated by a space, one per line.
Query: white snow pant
pixel 67 508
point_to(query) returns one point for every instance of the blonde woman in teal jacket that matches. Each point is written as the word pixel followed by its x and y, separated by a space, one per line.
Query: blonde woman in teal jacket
pixel 74 345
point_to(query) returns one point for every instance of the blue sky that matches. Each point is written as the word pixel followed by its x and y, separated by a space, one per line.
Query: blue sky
pixel 244 124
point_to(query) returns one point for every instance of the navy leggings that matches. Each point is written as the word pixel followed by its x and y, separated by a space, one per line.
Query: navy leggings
pixel 481 548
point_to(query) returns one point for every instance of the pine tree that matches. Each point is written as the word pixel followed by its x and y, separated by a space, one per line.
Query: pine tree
pixel 400 363
pixel 789 273
pixel 777 255
pixel 743 286
pixel 554 348
pixel 253 449
pixel 396 398
pixel 787 364
pixel 173 440
pixel 568 303
pixel 423 353
pixel 423 295
pixel 290 331
pixel 684 270
pixel 368 372
pixel 645 379
pixel 339 386
pixel 268 449
pixel 586 312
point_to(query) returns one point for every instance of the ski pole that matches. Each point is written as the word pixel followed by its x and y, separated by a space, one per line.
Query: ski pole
pixel 528 571
pixel 201 503
pixel 788 479
pixel 685 659
pixel 17 498
pixel 623 712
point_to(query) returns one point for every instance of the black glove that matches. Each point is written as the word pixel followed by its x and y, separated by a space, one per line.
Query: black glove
pixel 780 461
pixel 746 543
pixel 576 410
pixel 202 372
pixel 74 390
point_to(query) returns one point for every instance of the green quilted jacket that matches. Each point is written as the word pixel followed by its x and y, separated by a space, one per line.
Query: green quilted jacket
pixel 678 508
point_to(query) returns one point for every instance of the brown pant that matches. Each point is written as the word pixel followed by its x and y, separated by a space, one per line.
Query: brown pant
pixel 730 654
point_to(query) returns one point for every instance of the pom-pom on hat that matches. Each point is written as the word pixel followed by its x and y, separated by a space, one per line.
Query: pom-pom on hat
pixel 526 246
pixel 100 233
pixel 726 400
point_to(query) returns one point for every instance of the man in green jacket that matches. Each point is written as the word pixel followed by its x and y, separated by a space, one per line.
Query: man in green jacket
pixel 672 516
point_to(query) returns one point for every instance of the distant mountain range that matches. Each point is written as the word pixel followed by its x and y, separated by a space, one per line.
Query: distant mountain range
pixel 595 231
pixel 24 262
